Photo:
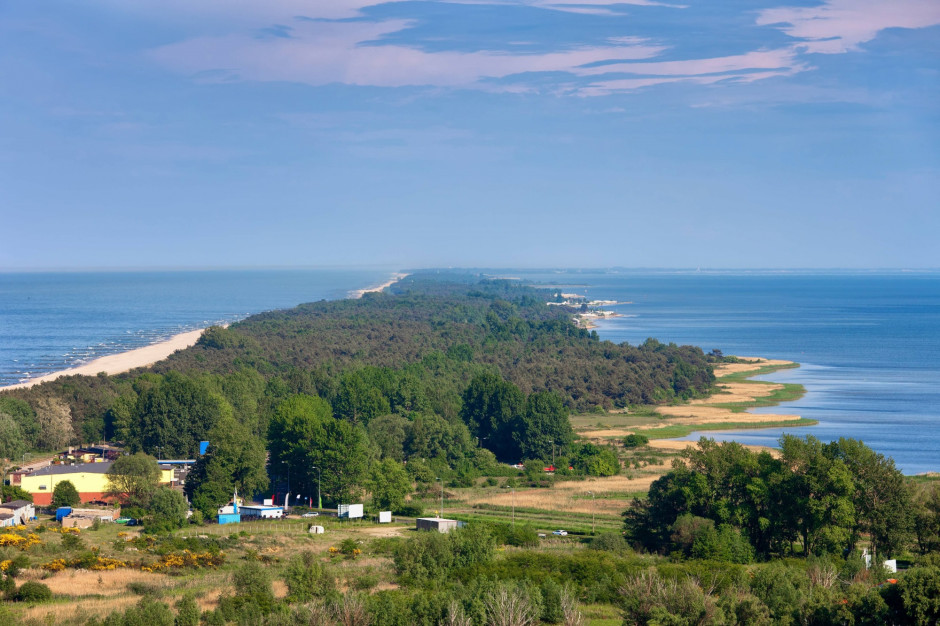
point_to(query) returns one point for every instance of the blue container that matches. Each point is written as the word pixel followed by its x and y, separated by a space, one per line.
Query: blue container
pixel 230 518
pixel 203 446
pixel 62 512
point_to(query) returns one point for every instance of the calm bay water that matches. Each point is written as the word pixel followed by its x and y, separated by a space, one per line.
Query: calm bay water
pixel 51 321
pixel 868 344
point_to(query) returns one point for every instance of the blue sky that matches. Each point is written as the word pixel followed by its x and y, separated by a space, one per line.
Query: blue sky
pixel 721 134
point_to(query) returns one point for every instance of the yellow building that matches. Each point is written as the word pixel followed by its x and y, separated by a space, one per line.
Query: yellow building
pixel 90 479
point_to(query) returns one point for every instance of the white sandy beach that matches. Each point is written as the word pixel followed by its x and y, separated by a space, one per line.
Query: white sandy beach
pixel 358 293
pixel 122 362
pixel 148 355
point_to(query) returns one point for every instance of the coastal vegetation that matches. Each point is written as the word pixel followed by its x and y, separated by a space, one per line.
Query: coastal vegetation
pixel 475 401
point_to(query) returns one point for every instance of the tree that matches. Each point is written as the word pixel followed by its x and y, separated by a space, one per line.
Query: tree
pixel 882 498
pixel 12 441
pixel 389 484
pixel 820 491
pixel 235 460
pixel 596 460
pixel 133 479
pixel 388 432
pixel 492 410
pixel 65 494
pixel 544 427
pixel 55 424
pixel 304 435
pixel 168 509
pixel 172 417
pixel 25 418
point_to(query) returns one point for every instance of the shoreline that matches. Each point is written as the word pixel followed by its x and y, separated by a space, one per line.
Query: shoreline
pixel 355 294
pixel 145 356
pixel 725 409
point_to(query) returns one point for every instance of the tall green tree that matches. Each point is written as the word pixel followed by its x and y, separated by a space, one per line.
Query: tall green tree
pixel 133 479
pixel 12 441
pixel 172 417
pixel 25 417
pixel 304 437
pixel 168 510
pixel 235 460
pixel 65 494
pixel 882 498
pixel 389 484
pixel 544 428
pixel 820 491
pixel 493 409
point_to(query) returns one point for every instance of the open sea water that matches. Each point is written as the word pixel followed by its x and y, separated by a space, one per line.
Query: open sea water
pixel 868 344
pixel 53 321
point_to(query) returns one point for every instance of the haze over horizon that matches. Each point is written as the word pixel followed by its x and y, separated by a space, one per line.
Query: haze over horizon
pixel 475 133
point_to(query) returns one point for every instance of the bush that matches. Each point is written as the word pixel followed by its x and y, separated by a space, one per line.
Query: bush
pixel 635 441
pixel 609 542
pixel 253 586
pixel 307 578
pixel 33 592
pixel 187 612
pixel 409 510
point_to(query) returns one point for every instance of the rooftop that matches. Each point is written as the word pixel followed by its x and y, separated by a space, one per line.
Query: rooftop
pixel 16 504
pixel 82 468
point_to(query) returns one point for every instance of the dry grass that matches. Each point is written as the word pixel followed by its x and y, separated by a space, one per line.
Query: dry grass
pixel 673 445
pixel 88 583
pixel 573 496
pixel 93 607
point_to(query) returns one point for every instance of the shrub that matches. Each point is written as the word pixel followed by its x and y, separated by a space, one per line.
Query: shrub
pixel 33 592
pixel 410 510
pixel 610 542
pixel 635 441
pixel 187 612
pixel 253 585
pixel 307 578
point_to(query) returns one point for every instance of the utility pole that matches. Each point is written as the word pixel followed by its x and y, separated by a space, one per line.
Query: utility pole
pixel 442 495
pixel 513 507
pixel 287 495
pixel 319 501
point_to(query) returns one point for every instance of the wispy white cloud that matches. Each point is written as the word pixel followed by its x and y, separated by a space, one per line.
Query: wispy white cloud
pixel 839 26
pixel 320 53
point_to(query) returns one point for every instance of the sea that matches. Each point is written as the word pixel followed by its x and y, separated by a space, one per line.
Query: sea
pixel 54 321
pixel 868 343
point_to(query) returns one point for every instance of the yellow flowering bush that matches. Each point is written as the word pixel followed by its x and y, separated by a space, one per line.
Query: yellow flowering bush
pixel 5 565
pixel 186 558
pixel 19 541
pixel 55 566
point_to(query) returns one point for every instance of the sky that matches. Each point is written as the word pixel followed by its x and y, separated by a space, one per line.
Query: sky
pixel 499 133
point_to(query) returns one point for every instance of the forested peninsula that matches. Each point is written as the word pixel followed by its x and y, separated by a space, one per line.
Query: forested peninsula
pixel 454 395
pixel 412 352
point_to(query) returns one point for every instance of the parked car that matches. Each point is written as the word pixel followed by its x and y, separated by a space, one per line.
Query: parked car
pixel 310 514
pixel 560 533
pixel 518 466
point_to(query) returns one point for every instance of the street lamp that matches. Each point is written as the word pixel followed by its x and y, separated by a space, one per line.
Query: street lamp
pixel 442 495
pixel 287 495
pixel 593 506
pixel 319 501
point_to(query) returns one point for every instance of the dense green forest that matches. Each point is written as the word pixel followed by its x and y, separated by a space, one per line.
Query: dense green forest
pixel 452 374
